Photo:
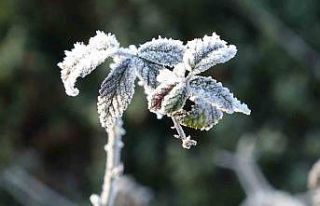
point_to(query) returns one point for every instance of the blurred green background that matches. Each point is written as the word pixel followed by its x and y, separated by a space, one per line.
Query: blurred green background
pixel 58 139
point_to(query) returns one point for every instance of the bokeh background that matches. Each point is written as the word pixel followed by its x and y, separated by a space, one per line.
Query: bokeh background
pixel 58 140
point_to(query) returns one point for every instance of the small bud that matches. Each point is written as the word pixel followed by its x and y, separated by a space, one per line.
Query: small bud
pixel 188 143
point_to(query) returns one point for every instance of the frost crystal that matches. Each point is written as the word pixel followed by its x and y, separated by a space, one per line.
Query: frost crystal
pixel 176 75
pixel 83 59
pixel 201 54
pixel 160 65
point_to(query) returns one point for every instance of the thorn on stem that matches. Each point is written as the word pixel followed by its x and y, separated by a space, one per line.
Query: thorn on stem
pixel 117 171
pixel 106 147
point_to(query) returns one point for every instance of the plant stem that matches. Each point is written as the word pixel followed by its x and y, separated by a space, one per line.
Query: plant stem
pixel 187 142
pixel 114 166
pixel 314 176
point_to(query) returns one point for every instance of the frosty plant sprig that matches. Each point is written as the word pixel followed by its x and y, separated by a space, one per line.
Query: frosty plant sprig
pixel 160 65
pixel 168 70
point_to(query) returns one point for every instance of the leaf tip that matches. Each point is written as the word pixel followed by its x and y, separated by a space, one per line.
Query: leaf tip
pixel 72 91
pixel 243 108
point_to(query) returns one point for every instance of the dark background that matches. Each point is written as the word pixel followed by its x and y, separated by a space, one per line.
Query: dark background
pixel 59 141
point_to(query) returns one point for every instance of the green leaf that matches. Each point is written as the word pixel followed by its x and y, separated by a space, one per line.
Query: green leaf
pixel 202 116
pixel 168 98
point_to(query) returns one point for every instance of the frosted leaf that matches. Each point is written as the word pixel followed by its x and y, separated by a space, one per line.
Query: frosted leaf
pixel 156 98
pixel 83 59
pixel 147 73
pixel 126 52
pixel 202 116
pixel 167 52
pixel 116 92
pixel 214 93
pixel 201 54
pixel 168 98
pixel 175 99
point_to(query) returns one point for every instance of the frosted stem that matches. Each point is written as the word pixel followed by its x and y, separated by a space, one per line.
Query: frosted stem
pixel 314 183
pixel 314 176
pixel 187 142
pixel 114 166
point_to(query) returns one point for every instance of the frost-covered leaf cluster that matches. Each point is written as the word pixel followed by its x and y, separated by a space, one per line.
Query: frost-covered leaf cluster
pixel 169 72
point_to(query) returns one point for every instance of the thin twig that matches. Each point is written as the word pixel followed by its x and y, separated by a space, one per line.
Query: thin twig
pixel 114 166
pixel 187 142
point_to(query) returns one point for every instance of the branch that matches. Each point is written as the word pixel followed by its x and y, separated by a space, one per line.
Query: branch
pixel 314 176
pixel 114 166
pixel 259 191
pixel 130 193
pixel 28 190
pixel 314 183
pixel 244 165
